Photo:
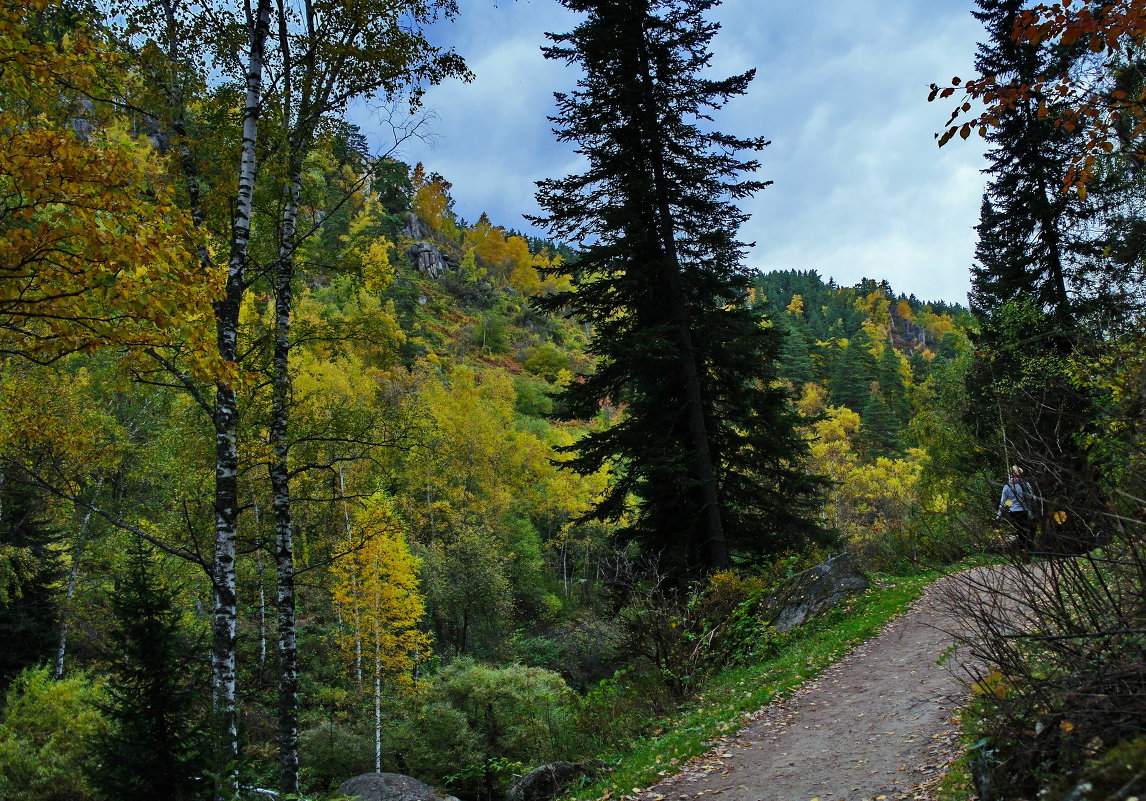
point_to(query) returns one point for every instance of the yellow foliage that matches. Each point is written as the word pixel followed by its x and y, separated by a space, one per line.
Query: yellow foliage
pixel 866 499
pixel 367 250
pixel 813 400
pixel 432 202
pixel 796 307
pixel 94 248
pixel 375 593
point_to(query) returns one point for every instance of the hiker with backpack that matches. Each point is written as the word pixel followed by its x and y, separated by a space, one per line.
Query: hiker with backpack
pixel 1017 505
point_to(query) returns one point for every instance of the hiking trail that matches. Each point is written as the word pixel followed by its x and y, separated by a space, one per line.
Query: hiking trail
pixel 879 724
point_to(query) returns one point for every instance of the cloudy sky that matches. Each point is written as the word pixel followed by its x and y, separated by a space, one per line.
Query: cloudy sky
pixel 841 91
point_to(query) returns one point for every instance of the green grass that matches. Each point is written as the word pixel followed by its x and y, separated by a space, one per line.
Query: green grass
pixel 724 703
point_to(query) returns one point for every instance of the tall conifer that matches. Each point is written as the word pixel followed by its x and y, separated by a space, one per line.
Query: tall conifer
pixel 1023 398
pixel 707 444
pixel 1026 215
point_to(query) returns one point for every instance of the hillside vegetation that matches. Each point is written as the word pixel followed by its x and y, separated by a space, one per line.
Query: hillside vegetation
pixel 302 475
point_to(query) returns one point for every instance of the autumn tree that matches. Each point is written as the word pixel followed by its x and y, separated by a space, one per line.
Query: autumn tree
pixel 94 248
pixel 378 601
pixel 706 444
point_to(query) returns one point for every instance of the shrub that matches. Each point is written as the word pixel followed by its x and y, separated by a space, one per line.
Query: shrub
pixel 332 753
pixel 514 715
pixel 45 733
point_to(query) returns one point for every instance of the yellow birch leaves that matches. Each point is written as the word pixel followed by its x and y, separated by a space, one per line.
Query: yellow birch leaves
pixel 376 594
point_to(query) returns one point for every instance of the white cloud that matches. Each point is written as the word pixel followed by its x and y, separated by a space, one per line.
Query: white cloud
pixel 860 187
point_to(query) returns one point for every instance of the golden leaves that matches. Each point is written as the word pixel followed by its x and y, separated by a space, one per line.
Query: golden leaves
pixel 93 248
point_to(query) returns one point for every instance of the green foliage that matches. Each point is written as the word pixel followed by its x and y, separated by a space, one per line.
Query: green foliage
pixel 548 361
pixel 331 753
pixel 47 731
pixel 491 333
pixel 514 715
pixel 533 397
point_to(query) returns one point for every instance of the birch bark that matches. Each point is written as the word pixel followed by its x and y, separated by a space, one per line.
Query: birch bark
pixel 224 626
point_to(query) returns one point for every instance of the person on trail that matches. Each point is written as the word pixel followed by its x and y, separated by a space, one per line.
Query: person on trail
pixel 1018 503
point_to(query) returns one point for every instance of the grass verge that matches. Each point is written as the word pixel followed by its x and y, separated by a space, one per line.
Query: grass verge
pixel 725 702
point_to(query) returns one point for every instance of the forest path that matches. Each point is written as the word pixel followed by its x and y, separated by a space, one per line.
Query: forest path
pixel 878 724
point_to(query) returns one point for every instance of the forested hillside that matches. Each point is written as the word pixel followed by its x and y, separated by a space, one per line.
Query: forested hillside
pixel 304 476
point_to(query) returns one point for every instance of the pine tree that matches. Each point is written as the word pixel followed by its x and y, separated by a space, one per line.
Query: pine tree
pixel 707 443
pixel 155 746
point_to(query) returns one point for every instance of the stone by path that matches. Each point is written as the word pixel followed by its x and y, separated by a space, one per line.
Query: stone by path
pixel 880 724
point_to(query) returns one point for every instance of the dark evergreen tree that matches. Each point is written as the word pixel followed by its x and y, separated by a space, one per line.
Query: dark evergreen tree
pixel 155 746
pixel 796 363
pixel 853 373
pixel 29 571
pixel 707 444
pixel 1024 406
pixel 892 386
pixel 1026 216
pixel 879 428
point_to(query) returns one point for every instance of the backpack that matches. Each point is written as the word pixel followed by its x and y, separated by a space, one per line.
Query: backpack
pixel 1025 496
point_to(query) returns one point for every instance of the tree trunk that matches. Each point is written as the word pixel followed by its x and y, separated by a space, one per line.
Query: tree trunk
pixel 65 612
pixel 280 488
pixel 714 546
pixel 224 627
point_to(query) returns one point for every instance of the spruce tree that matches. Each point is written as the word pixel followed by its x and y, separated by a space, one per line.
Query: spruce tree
pixel 155 746
pixel 707 444
pixel 1025 405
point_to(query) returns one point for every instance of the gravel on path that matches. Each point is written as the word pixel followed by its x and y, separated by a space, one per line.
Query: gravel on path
pixel 880 724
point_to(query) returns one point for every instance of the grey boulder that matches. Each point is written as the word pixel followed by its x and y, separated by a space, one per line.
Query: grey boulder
pixel 388 787
pixel 805 595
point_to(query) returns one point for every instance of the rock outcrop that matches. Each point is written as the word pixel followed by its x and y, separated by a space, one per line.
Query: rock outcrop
pixel 808 594
pixel 429 259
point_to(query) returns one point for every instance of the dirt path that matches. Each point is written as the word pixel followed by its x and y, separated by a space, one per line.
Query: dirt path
pixel 879 724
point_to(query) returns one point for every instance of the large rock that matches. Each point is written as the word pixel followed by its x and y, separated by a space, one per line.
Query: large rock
pixel 808 594
pixel 548 781
pixel 387 787
pixel 427 258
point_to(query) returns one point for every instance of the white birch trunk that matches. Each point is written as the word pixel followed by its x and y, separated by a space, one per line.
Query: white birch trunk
pixel 280 487
pixel 224 625
pixel 377 704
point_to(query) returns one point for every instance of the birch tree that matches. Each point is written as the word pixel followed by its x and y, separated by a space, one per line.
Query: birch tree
pixel 376 595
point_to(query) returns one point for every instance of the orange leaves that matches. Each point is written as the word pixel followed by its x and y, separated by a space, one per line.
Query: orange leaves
pixel 93 250
pixel 1076 100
